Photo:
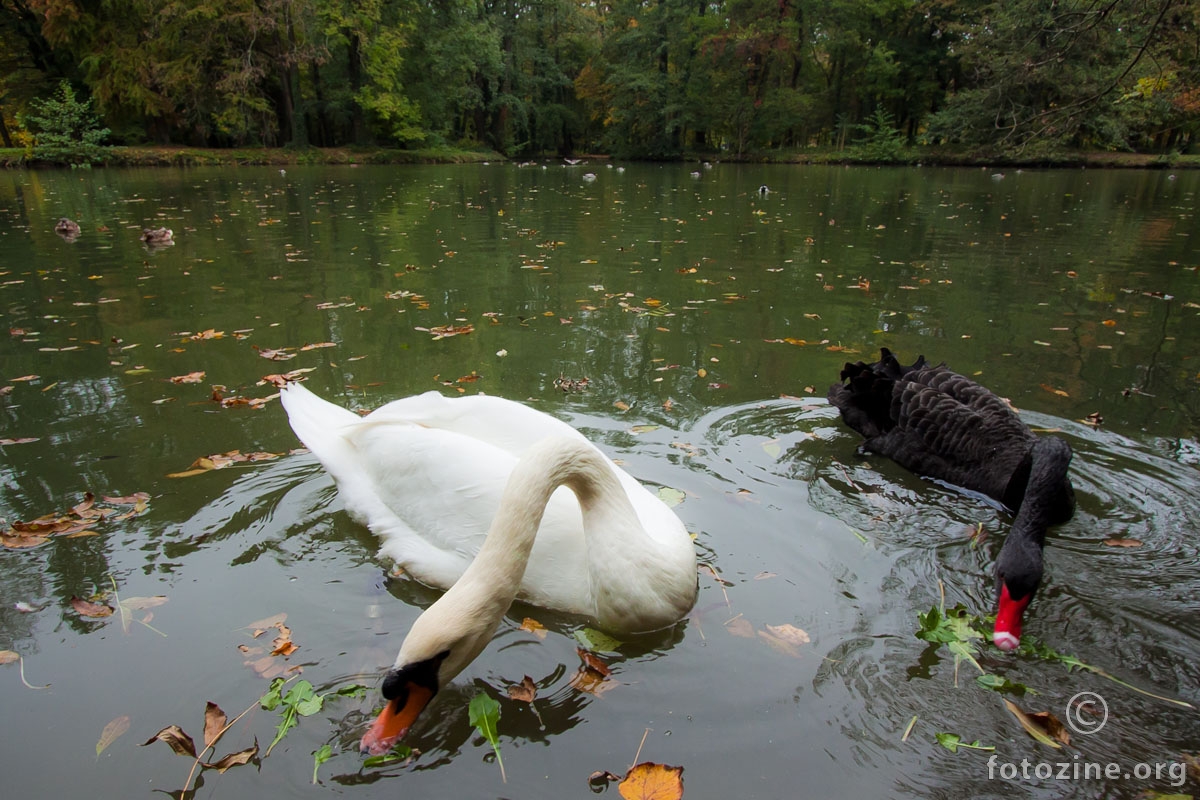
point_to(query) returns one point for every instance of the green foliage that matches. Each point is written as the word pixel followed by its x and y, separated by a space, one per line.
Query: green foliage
pixel 1023 79
pixel 300 700
pixel 882 140
pixel 484 714
pixel 66 130
pixel 322 754
pixel 952 741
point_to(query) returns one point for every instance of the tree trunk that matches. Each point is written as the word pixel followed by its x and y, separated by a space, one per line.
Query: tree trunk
pixel 4 135
pixel 358 127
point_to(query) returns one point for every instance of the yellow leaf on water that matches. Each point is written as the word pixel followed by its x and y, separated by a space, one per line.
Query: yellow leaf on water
pixel 649 781
pixel 533 626
pixel 9 657
pixel 112 731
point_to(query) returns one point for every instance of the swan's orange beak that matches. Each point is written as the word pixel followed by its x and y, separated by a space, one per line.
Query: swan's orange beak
pixel 395 720
pixel 1007 633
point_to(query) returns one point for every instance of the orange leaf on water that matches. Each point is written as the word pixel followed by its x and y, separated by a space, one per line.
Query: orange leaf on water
pixel 649 781
pixel 1116 542
pixel 533 626
pixel 526 690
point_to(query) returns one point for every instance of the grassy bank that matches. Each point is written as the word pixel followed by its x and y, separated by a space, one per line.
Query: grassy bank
pixel 268 156
pixel 283 157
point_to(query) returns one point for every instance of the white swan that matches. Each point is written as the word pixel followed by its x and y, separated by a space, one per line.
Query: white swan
pixel 468 493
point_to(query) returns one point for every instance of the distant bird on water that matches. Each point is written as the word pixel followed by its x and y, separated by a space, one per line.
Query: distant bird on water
pixel 66 228
pixel 157 235
pixel 939 424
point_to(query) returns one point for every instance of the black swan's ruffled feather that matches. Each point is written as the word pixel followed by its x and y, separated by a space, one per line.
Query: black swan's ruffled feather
pixel 939 424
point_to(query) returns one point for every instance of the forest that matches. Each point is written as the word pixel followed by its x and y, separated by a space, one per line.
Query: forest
pixel 653 79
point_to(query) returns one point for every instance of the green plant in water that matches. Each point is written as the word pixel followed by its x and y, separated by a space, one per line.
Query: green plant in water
pixel 952 741
pixel 301 700
pixel 484 713
pixel 65 130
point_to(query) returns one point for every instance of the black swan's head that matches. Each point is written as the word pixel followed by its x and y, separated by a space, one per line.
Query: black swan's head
pixel 1018 574
pixel 1048 500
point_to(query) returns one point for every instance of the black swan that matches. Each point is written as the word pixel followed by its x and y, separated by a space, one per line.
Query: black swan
pixel 939 424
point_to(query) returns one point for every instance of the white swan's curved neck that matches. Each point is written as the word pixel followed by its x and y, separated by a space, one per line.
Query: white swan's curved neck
pixel 546 466
pixel 462 620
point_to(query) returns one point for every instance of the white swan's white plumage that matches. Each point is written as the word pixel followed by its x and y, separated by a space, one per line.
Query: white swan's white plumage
pixel 494 500
pixel 425 473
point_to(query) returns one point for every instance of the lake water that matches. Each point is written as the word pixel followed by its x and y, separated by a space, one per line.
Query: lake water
pixel 708 320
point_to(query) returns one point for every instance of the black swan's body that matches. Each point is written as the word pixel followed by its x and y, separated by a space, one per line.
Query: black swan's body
pixel 939 424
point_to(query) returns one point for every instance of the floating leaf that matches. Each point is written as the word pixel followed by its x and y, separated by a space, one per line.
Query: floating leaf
pixel 90 609
pixel 592 677
pixel 281 354
pixel 648 781
pixel 1038 726
pixel 786 639
pixel 260 626
pixel 176 739
pixel 597 641
pixel 671 496
pixel 112 731
pixel 214 723
pixel 400 752
pixel 1116 542
pixel 525 691
pixel 484 714
pixel 235 759
pixel 998 683
pixel 534 627
pixel 322 754
pixel 952 741
pixel 191 377
pixel 9 656
pixel 742 627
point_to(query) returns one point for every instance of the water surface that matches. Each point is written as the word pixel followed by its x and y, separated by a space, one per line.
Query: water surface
pixel 708 320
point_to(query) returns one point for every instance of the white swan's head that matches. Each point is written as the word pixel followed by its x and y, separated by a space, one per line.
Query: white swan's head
pixel 441 643
pixel 406 692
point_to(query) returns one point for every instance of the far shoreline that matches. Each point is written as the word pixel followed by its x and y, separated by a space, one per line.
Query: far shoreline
pixel 180 156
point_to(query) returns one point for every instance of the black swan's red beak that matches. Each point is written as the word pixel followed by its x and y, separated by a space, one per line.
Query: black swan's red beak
pixel 1007 633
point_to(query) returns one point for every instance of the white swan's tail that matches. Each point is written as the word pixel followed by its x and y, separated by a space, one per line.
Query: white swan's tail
pixel 316 422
